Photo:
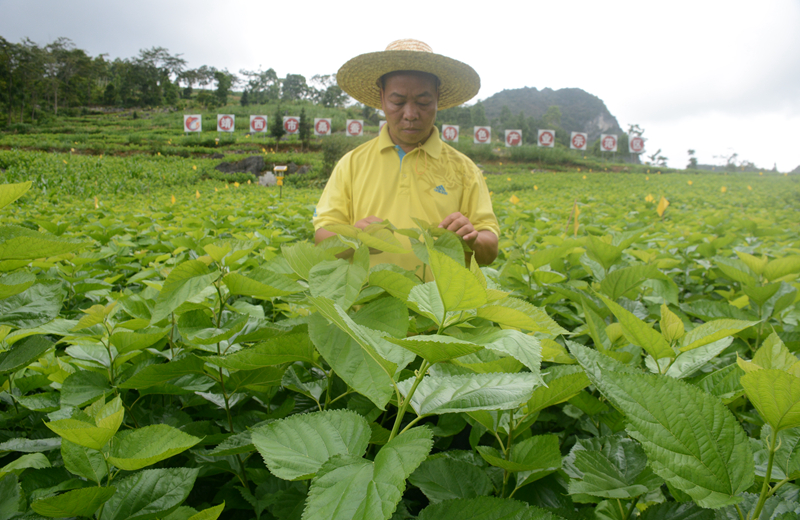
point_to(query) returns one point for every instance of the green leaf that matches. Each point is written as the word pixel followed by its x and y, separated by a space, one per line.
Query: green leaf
pixel 197 328
pixel 774 354
pixel 142 447
pixel 735 270
pixel 82 433
pixel 12 498
pixel 149 494
pixel 436 348
pixel 84 462
pixel 618 282
pixel 31 460
pixel 186 281
pixel 776 396
pixel 382 239
pixel 11 192
pixel 513 312
pixel 78 502
pixel 125 341
pixel 443 478
pixel 596 327
pixel 604 253
pixel 19 243
pixel 525 349
pixel 786 463
pixel 781 267
pixel 34 306
pixel 691 439
pixel 337 280
pixel 23 353
pixel 671 325
pixel 212 513
pixel 687 363
pixel 639 333
pixel 282 349
pixel 536 457
pixel 24 445
pixel 676 511
pixel 562 384
pixel 393 279
pixel 723 383
pixel 617 470
pixel 262 284
pixel 426 300
pixel 234 445
pixel 302 256
pixel 455 394
pixel 295 448
pixel 152 375
pixel 83 387
pixel 347 488
pixel 15 283
pixel 713 331
pixel 458 288
pixel 484 508
pixel 387 314
pixel 759 294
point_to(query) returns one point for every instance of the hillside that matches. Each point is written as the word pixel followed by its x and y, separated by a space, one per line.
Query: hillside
pixel 580 111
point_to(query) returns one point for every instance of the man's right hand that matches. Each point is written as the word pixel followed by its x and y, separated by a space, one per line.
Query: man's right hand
pixel 364 222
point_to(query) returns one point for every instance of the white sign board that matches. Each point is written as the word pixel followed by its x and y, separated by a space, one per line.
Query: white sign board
pixel 483 134
pixel 258 124
pixel 355 127
pixel 513 137
pixel 608 143
pixel 547 138
pixel 450 133
pixel 322 126
pixel 578 141
pixel 291 124
pixel 192 123
pixel 226 122
pixel 636 144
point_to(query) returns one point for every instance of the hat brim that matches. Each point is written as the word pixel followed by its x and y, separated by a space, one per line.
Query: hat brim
pixel 359 77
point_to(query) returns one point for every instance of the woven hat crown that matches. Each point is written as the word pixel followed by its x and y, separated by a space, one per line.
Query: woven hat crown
pixel 359 77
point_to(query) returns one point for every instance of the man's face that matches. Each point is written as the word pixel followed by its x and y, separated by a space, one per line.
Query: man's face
pixel 410 101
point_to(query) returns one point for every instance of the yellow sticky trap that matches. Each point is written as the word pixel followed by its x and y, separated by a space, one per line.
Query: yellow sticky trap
pixel 662 206
pixel 279 181
pixel 96 203
pixel 514 199
pixel 197 194
pixel 172 199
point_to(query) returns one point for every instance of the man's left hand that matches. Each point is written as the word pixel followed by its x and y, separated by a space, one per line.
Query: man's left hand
pixel 483 243
pixel 461 226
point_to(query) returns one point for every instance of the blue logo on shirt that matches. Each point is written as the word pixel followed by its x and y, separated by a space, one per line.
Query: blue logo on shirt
pixel 315 212
pixel 440 189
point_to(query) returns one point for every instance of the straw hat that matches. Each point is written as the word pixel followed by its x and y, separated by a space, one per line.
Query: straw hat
pixel 360 76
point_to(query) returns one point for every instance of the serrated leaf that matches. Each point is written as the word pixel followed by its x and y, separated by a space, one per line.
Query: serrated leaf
pixel 525 349
pixel 142 447
pixel 82 433
pixel 84 462
pixel 149 494
pixel 83 387
pixel 536 456
pixel 274 351
pixel 436 348
pixel 687 363
pixel 125 341
pixel 23 353
pixel 337 280
pixel 302 256
pixel 15 283
pixel 270 285
pixel 152 375
pixel 691 439
pixel 234 445
pixel 20 243
pixel 24 445
pixel 426 300
pixel 602 252
pixel 484 508
pixel 458 288
pixel 11 192
pixel 35 306
pixel 774 354
pixel 212 513
pixel 197 328
pixel 513 312
pixel 78 502
pixel 31 460
pixel 186 281
pixel 393 280
pixel 356 489
pixel 640 333
pixel 723 383
pixel 755 264
pixel 618 282
pixel 735 270
pixel 712 331
pixel 671 325
pixel 781 267
pixel 12 498
pixel 443 478
pixel 381 239
pixel 562 384
pixel 295 448
pixel 676 511
pixel 455 394
pixel 776 396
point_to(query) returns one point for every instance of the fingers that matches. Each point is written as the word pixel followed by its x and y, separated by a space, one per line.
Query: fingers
pixel 460 225
pixel 366 221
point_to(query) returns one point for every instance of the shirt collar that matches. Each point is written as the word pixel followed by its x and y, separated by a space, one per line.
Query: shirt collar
pixel 433 146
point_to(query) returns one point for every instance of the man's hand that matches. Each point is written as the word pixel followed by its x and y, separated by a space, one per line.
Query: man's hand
pixel 364 222
pixel 483 243
pixel 322 233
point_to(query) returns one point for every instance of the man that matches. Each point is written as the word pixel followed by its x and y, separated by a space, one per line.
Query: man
pixel 407 171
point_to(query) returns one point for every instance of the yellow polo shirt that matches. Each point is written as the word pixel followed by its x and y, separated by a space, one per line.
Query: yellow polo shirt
pixel 431 182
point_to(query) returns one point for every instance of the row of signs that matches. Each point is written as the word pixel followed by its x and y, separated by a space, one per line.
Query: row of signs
pixel 258 124
pixel 355 128
pixel 545 138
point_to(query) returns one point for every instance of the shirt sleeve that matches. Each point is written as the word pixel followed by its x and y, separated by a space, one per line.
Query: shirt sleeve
pixel 477 204
pixel 334 206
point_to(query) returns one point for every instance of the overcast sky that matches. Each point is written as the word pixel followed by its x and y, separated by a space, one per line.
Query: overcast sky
pixel 720 77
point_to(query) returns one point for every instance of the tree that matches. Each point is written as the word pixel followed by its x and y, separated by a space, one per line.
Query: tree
pixel 479 115
pixel 304 131
pixel 294 88
pixel 325 91
pixel 245 99
pixel 277 131
pixel 225 80
pixel 263 85
pixel 692 161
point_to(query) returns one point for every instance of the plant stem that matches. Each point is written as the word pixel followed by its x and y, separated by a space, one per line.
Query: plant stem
pixel 633 506
pixel 739 510
pixel 420 374
pixel 765 488
pixel 507 451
